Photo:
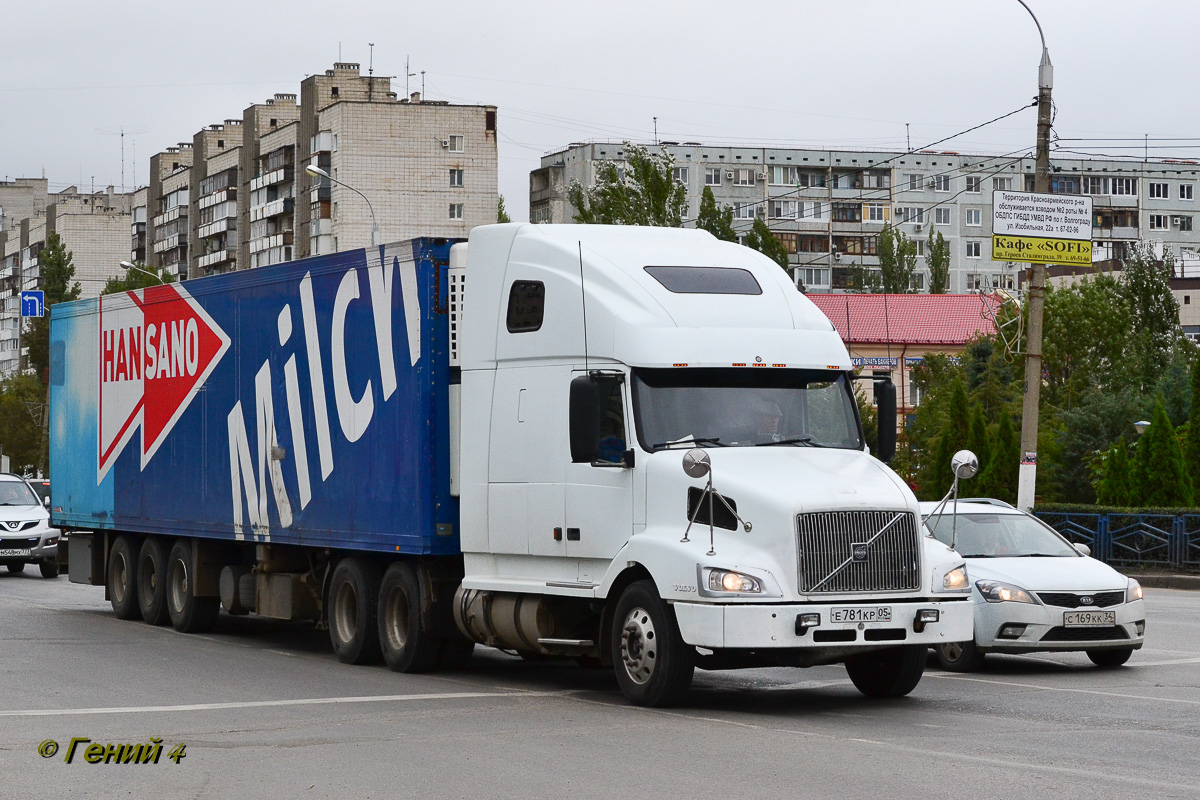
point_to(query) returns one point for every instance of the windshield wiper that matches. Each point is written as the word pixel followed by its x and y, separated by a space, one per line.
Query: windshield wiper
pixel 690 440
pixel 805 440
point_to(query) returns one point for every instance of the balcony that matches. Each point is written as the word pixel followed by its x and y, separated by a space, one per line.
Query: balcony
pixel 1115 233
pixel 270 242
pixel 283 205
pixel 170 216
pixel 170 243
pixel 208 201
pixel 216 227
pixel 281 175
pixel 212 259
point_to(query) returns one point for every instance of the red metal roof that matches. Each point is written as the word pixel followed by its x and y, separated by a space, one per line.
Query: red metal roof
pixel 905 318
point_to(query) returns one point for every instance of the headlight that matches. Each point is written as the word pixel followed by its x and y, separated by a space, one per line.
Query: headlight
pixel 997 592
pixel 951 579
pixel 1134 592
pixel 723 580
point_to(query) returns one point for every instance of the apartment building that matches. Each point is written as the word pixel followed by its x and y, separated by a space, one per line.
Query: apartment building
pixel 167 198
pixel 212 198
pixel 828 206
pixel 21 198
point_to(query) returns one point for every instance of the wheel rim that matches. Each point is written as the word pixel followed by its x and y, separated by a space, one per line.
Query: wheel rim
pixel 639 646
pixel 149 581
pixel 120 573
pixel 345 615
pixel 395 623
pixel 952 652
pixel 179 585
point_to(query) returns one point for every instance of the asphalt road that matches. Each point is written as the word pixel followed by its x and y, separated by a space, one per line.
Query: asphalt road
pixel 266 711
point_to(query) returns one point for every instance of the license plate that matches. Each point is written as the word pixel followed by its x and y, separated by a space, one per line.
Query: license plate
pixel 1089 619
pixel 861 614
pixel 14 552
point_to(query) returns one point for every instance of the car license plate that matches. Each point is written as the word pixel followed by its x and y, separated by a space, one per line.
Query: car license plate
pixel 14 553
pixel 861 614
pixel 1089 619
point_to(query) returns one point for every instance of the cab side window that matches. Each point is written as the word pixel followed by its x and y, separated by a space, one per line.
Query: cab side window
pixel 526 306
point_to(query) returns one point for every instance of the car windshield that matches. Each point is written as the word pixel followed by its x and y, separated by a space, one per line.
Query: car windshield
pixel 741 407
pixel 16 493
pixel 999 536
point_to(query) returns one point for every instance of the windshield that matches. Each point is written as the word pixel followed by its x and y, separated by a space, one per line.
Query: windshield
pixel 16 493
pixel 999 536
pixel 741 407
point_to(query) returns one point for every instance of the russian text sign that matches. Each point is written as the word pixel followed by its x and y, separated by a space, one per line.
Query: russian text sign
pixel 1043 228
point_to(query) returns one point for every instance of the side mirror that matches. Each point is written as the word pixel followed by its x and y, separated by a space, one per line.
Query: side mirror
pixel 885 437
pixel 46 501
pixel 964 465
pixel 584 419
pixel 1083 549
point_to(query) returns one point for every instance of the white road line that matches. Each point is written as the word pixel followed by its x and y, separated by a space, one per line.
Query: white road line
pixel 1164 663
pixel 307 701
pixel 1064 689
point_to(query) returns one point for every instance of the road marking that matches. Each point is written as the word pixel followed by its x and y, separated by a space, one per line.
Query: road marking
pixel 1165 663
pixel 1066 689
pixel 307 701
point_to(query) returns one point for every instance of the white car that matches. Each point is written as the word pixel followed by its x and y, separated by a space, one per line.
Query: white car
pixel 1034 590
pixel 25 533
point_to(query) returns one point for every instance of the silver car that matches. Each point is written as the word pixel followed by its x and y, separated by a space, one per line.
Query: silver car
pixel 25 533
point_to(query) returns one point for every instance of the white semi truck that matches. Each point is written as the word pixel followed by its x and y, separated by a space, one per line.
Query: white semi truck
pixel 636 446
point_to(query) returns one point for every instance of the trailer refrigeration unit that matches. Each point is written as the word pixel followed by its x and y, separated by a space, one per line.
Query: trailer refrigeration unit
pixel 635 446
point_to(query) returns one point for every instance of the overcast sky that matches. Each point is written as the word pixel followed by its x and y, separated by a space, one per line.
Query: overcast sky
pixel 850 73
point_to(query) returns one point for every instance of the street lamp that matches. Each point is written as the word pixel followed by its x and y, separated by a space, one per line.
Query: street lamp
pixel 316 172
pixel 1140 426
pixel 126 265
pixel 1027 476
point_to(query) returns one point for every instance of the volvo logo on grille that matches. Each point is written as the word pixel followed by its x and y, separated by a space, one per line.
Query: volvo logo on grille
pixel 859 551
pixel 1086 600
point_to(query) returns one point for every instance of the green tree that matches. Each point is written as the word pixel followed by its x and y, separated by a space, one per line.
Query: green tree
pixel 717 221
pixel 1153 309
pixel 999 477
pixel 134 279
pixel 937 255
pixel 977 435
pixel 897 259
pixel 1087 330
pixel 1191 445
pixel 1161 478
pixel 869 415
pixel 761 239
pixel 57 271
pixel 501 214
pixel 952 438
pixel 1115 481
pixel 21 400
pixel 642 192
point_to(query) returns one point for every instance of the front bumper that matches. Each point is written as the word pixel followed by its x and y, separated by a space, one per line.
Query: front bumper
pixel 22 549
pixel 761 626
pixel 1044 629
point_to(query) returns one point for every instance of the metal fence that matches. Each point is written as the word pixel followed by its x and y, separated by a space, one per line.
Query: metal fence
pixel 1133 540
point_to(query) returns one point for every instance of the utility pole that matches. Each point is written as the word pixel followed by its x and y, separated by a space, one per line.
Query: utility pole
pixel 1027 477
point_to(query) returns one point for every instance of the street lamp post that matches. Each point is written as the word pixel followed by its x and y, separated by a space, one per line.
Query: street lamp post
pixel 316 172
pixel 127 265
pixel 1027 478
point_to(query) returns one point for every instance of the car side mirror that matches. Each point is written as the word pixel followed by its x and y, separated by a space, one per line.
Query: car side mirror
pixel 1083 549
pixel 885 436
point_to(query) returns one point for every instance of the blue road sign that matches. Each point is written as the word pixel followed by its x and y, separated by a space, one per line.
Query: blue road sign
pixel 33 303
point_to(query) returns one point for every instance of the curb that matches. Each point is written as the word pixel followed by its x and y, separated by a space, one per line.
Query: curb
pixel 1159 581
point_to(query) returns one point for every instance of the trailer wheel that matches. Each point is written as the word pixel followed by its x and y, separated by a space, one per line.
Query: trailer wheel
pixel 15 566
pixel 407 645
pixel 893 672
pixel 352 607
pixel 122 579
pixel 189 614
pixel 653 664
pixel 151 580
pixel 49 569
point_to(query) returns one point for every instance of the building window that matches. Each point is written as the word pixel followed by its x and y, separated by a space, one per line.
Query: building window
pixel 790 241
pixel 743 177
pixel 916 282
pixel 876 179
pixel 876 212
pixel 1158 222
pixel 1002 184
pixel 941 216
pixel 784 176
pixel 1002 281
pixel 680 175
pixel 920 243
pixel 744 210
pixel 911 214
pixel 847 212
pixel 1064 184
pixel 815 276
pixel 813 244
pixel 1185 224
pixel 974 184
pixel 941 183
pixel 1185 191
pixel 1160 191
pixel 783 209
pixel 1093 185
pixel 914 181
pixel 712 176
pixel 454 143
pixel 813 210
pixel 456 177
pixel 976 282
pixel 974 217
pixel 973 250
pixel 456 211
pixel 1124 186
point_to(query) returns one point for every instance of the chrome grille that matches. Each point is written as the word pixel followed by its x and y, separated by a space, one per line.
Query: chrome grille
pixel 825 547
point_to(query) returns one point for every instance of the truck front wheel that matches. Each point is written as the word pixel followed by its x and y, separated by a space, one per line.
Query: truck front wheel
pixel 122 579
pixel 189 614
pixel 407 646
pixel 893 672
pixel 352 608
pixel 654 666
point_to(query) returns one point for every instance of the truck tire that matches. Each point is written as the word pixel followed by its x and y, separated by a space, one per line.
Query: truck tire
pixel 654 666
pixel 188 613
pixel 122 579
pixel 351 611
pixel 407 646
pixel 151 582
pixel 15 566
pixel 1110 658
pixel 893 672
pixel 49 569
pixel 959 656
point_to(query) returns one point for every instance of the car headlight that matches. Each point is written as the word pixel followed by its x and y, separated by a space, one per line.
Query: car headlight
pixel 951 579
pixel 724 580
pixel 997 592
pixel 1134 592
